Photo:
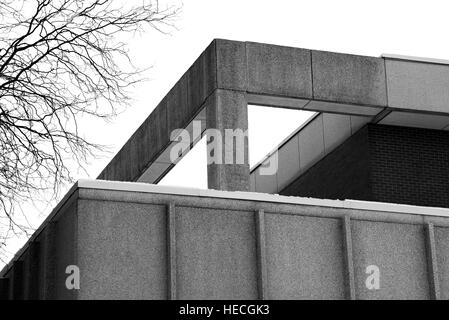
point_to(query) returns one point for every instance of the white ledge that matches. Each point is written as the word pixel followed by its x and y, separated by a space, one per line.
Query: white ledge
pixel 414 59
pixel 262 197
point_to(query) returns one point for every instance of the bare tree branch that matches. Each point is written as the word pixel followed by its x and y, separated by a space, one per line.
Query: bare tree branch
pixel 60 60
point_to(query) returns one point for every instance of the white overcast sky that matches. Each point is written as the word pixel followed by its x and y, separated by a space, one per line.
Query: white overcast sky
pixel 416 28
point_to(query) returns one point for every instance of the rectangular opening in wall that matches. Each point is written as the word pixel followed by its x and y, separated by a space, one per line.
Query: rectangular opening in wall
pixel 268 129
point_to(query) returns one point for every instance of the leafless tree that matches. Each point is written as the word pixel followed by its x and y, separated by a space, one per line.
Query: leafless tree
pixel 60 60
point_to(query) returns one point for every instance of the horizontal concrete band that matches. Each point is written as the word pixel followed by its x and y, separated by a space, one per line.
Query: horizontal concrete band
pixel 135 188
pixel 289 77
pixel 262 197
pixel 200 244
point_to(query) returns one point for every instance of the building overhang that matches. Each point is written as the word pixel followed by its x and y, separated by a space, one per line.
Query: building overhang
pixel 390 89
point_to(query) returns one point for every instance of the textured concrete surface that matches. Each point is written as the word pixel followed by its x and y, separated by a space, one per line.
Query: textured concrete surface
pixel 216 254
pixel 228 110
pixel 398 250
pixel 288 77
pixel 348 78
pixel 299 266
pixel 279 70
pixel 231 65
pixel 152 135
pixel 122 250
pixel 202 78
pixel 178 107
pixel 66 252
pixel 121 245
pixel 417 85
pixel 48 261
pixel 442 246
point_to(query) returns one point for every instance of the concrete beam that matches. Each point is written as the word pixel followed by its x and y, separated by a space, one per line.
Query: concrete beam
pixel 417 85
pixel 348 78
pixel 278 70
pixel 280 76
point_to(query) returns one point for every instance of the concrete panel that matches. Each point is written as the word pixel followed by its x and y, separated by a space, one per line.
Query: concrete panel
pixel 231 65
pixel 122 250
pixel 148 140
pixel 152 135
pixel 348 78
pixel 216 254
pixel 288 162
pixel 202 78
pixel 33 271
pixel 418 120
pixel 252 181
pixel 304 257
pixel 417 85
pixel 398 250
pixel 337 128
pixel 178 109
pixel 49 262
pixel 311 143
pixel 66 250
pixel 266 183
pixel 442 250
pixel 358 122
pixel 279 70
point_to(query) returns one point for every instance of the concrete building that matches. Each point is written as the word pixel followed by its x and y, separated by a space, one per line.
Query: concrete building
pixel 358 207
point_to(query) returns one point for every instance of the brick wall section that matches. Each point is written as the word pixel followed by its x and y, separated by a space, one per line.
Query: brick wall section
pixel 342 174
pixel 409 165
pixel 383 163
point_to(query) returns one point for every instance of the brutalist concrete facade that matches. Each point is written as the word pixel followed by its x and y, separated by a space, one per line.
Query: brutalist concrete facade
pixel 139 241
pixel 132 239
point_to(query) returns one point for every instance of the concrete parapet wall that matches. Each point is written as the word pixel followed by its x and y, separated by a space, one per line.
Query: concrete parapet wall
pixel 138 241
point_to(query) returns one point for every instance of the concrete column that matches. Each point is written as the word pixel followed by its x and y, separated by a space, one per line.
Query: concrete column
pixel 227 123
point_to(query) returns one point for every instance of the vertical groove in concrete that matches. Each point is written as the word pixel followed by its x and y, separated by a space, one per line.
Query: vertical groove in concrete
pixel 171 251
pixel 432 262
pixel 349 261
pixel 262 276
pixel 16 287
pixel 48 284
pixel 4 288
pixel 33 271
